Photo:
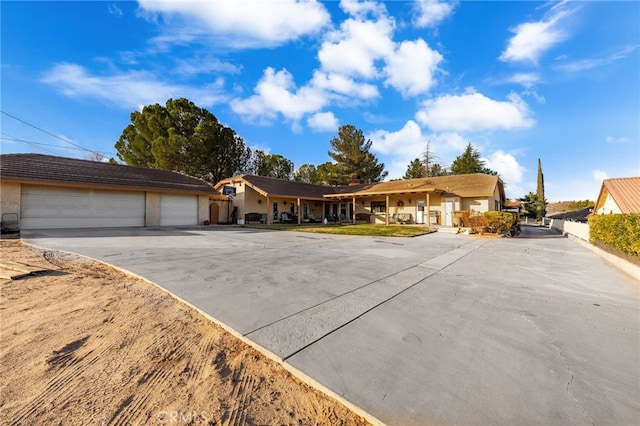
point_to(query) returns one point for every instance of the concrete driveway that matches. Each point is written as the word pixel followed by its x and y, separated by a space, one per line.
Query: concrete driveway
pixel 438 329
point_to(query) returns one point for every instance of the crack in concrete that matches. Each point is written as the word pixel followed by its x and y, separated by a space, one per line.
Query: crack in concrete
pixel 567 367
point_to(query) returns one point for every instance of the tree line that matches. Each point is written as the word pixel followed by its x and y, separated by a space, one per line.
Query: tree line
pixel 182 137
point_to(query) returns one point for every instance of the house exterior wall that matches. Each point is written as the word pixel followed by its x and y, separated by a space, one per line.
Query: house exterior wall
pixel 203 208
pixel 10 202
pixel 609 206
pixel 224 211
pixel 577 229
pixel 476 205
pixel 152 209
pixel 10 197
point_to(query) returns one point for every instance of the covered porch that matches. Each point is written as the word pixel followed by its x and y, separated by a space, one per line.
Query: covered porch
pixel 421 206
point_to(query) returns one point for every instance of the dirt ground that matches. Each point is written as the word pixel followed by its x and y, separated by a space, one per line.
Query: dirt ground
pixel 85 344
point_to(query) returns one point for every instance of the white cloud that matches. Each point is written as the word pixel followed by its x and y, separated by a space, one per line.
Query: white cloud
pixel 115 10
pixel 599 175
pixel 206 65
pixel 473 112
pixel 526 79
pixel 362 8
pixel 245 23
pixel 533 39
pixel 509 170
pixel 323 122
pixel 411 67
pixel 586 64
pixel 407 142
pixel 353 49
pixel 429 13
pixel 344 85
pixel 611 139
pixel 276 94
pixel 128 89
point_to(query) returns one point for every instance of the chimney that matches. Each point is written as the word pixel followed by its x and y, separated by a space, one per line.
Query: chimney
pixel 355 180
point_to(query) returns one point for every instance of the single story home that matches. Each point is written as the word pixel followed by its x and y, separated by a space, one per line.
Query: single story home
pixel 619 195
pixel 431 200
pixel 56 192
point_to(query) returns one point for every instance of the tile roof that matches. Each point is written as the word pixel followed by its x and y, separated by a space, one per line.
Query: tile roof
pixel 625 192
pixel 61 170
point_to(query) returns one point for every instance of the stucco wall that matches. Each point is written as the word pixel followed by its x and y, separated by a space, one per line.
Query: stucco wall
pixel 152 209
pixel 203 208
pixel 479 205
pixel 9 197
pixel 609 206
pixel 577 229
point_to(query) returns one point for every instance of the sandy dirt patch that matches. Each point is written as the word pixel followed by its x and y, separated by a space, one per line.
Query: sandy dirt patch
pixel 86 344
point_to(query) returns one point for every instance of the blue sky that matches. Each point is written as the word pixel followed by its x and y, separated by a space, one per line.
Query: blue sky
pixel 520 80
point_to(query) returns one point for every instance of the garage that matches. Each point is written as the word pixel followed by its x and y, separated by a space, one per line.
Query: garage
pixel 45 207
pixel 48 192
pixel 178 210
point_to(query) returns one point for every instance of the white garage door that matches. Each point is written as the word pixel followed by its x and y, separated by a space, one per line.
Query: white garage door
pixel 55 207
pixel 178 210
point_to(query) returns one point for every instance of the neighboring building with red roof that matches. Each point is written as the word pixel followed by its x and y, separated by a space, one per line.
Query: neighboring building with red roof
pixel 619 195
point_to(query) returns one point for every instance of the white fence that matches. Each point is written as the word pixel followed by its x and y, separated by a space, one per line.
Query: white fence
pixel 577 229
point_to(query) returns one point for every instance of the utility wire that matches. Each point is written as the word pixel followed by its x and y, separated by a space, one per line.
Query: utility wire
pixel 33 144
pixel 8 137
pixel 48 133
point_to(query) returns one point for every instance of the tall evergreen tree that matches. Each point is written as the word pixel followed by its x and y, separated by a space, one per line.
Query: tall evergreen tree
pixel 437 169
pixel 470 162
pixel 541 203
pixel 271 165
pixel 352 157
pixel 307 173
pixel 184 138
pixel 415 170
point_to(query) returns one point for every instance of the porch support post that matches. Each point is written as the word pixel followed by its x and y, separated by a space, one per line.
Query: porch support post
pixel 428 210
pixel 299 215
pixel 387 210
pixel 323 210
pixel 269 217
pixel 354 210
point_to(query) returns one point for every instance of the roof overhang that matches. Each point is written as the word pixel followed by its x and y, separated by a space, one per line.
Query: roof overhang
pixel 362 194
pixel 108 187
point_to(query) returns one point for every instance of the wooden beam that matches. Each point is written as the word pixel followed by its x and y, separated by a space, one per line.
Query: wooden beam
pixel 387 210
pixel 269 214
pixel 354 210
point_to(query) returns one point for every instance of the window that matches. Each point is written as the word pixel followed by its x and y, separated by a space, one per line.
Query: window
pixel 378 207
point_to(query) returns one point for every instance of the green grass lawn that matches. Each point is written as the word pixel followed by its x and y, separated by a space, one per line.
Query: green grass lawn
pixel 371 230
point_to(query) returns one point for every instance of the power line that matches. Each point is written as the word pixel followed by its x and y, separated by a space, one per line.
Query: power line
pixel 8 137
pixel 48 133
pixel 33 144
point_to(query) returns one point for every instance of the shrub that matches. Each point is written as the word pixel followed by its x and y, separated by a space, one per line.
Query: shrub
pixel 477 223
pixel 498 222
pixel 619 231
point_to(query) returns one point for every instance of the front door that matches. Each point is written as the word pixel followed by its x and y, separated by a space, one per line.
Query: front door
pixel 448 211
pixel 420 212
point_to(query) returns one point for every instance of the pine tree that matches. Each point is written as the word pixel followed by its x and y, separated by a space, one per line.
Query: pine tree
pixel 353 158
pixel 415 170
